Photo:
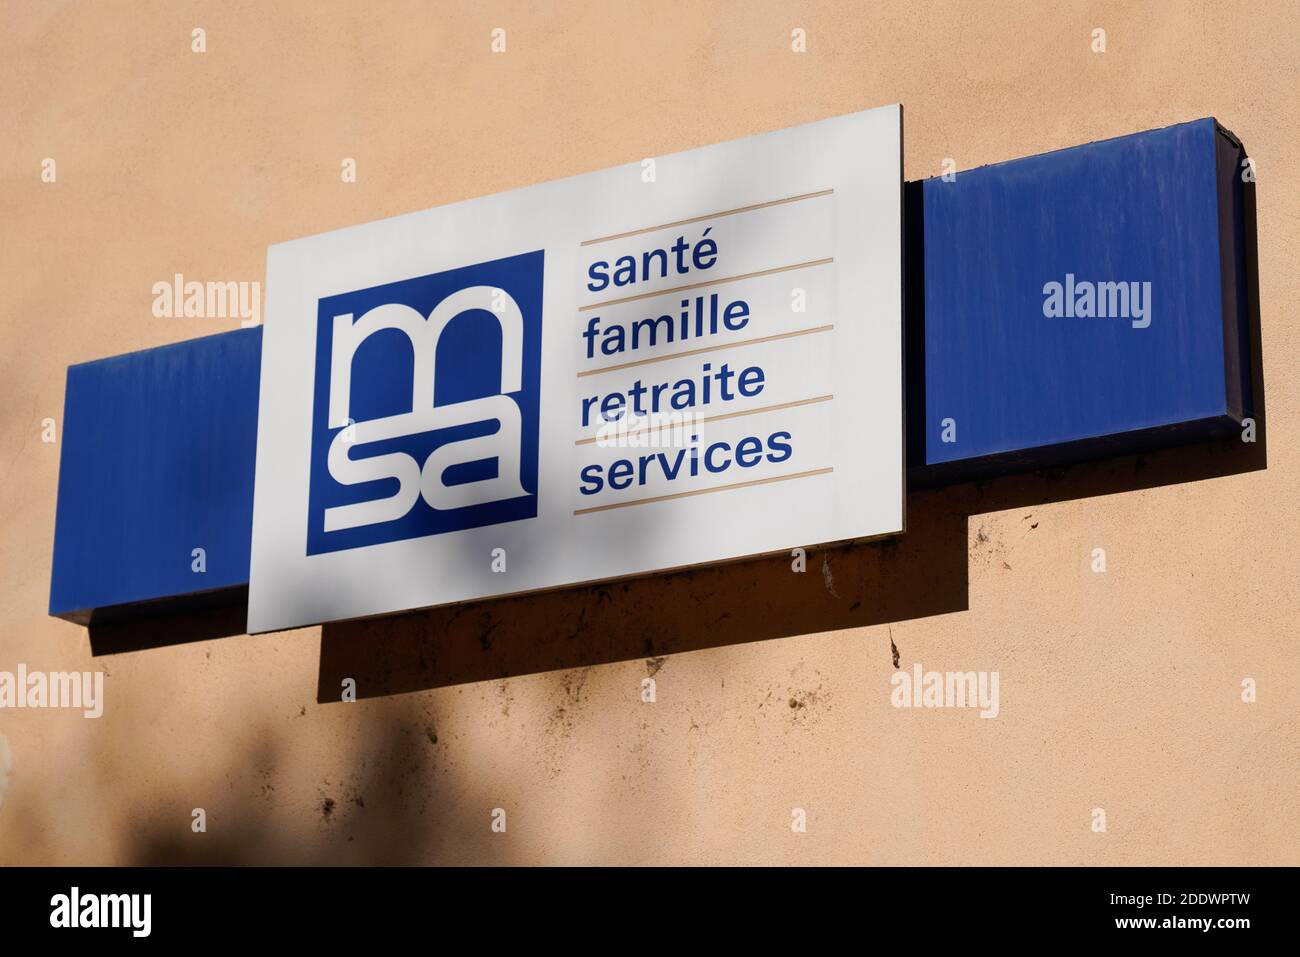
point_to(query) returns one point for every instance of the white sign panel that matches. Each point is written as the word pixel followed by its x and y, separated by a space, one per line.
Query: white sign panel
pixel 688 359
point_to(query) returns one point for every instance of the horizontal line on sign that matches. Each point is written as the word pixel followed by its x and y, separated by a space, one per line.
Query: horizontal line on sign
pixel 713 348
pixel 699 219
pixel 704 491
pixel 716 418
pixel 707 282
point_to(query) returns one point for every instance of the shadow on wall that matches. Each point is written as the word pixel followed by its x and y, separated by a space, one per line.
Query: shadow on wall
pixel 916 575
pixel 159 631
pixel 401 798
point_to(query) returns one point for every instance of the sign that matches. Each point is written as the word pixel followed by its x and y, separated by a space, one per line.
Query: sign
pixel 689 359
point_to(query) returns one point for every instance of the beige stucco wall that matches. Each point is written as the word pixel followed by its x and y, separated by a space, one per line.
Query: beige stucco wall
pixel 1118 690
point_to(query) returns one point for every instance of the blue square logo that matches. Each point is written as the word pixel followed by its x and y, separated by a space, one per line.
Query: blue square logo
pixel 425 412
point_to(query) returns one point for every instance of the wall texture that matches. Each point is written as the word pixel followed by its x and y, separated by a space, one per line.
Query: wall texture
pixel 1120 691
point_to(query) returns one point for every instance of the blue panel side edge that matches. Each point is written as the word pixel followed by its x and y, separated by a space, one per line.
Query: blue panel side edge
pixel 1140 208
pixel 157 460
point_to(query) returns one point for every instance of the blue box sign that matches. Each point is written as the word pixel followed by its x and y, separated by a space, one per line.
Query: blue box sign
pixel 1075 298
pixel 157 461
pixel 1080 303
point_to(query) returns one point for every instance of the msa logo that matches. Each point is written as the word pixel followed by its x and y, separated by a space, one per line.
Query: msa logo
pixel 426 405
